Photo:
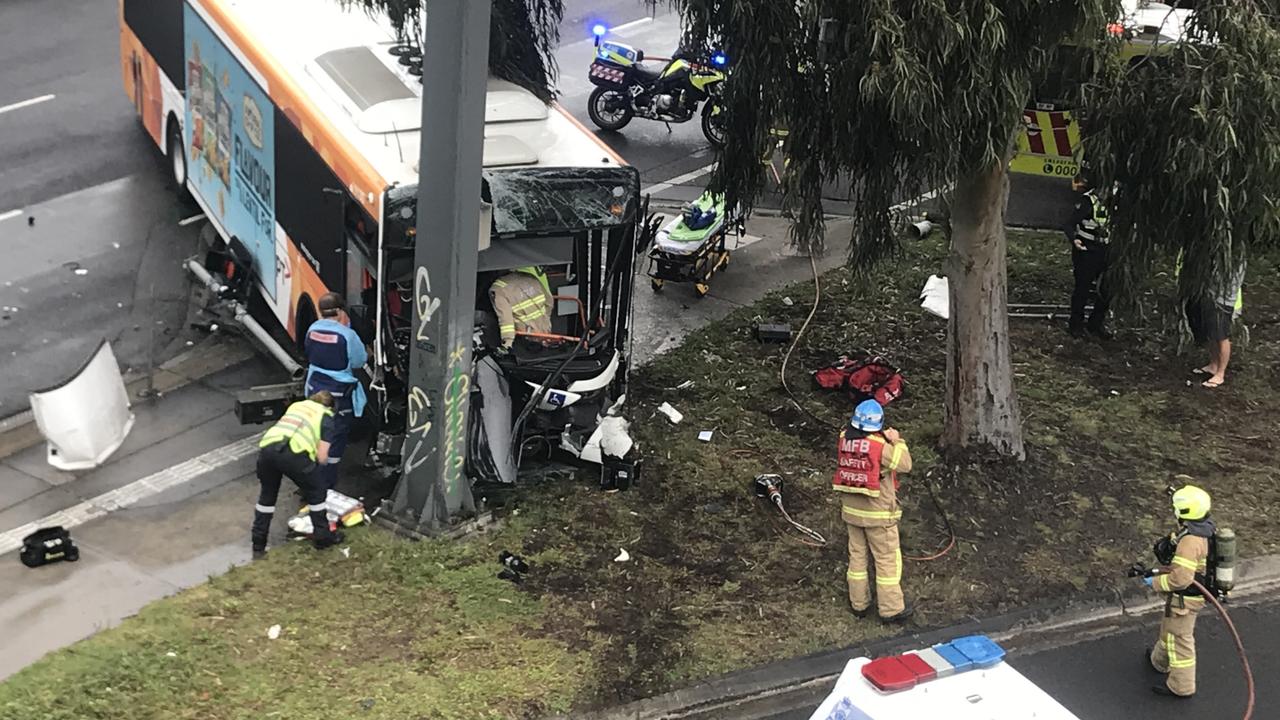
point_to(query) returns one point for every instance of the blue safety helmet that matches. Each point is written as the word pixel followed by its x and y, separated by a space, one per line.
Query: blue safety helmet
pixel 868 416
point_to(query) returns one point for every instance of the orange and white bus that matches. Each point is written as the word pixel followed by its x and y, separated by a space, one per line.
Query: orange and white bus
pixel 295 127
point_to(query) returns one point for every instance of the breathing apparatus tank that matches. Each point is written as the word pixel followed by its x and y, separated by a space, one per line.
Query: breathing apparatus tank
pixel 1224 559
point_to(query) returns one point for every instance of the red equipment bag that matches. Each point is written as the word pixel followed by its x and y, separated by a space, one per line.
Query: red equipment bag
pixel 868 378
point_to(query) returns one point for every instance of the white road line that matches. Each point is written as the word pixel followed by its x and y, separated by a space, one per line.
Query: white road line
pixel 187 221
pixel 11 214
pixel 26 103
pixel 634 23
pixel 621 30
pixel 680 180
pixel 134 492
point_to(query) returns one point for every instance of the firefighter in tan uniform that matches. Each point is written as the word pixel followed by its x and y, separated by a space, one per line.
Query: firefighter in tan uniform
pixel 867 475
pixel 522 301
pixel 1185 555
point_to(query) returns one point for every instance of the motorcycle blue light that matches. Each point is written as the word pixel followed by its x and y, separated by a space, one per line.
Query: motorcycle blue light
pixel 719 59
pixel 599 29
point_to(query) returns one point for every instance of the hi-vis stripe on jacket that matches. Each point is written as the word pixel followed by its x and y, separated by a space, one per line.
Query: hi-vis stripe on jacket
pixel 1047 145
pixel 522 302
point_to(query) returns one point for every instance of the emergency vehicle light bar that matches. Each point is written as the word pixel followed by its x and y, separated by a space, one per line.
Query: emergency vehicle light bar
pixel 905 671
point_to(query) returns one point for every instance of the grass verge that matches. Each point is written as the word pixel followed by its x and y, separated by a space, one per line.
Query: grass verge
pixel 715 582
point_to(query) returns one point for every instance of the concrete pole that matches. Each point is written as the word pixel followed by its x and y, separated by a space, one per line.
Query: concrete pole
pixel 434 489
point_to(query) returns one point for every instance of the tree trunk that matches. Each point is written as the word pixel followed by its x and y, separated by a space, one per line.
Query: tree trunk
pixel 981 406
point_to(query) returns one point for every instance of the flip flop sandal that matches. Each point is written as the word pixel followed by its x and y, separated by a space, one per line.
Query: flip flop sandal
pixel 1211 384
pixel 1200 371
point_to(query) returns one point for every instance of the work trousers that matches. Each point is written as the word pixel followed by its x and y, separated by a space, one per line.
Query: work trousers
pixel 882 544
pixel 1175 650
pixel 274 463
pixel 1089 266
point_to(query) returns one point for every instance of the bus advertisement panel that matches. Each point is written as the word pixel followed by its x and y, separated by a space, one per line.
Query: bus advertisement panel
pixel 231 145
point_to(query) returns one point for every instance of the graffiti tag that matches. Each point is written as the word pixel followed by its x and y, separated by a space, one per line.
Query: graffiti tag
pixel 426 306
pixel 455 426
pixel 419 427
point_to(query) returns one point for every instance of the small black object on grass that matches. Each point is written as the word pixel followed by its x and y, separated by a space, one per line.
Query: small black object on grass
pixel 773 332
pixel 513 562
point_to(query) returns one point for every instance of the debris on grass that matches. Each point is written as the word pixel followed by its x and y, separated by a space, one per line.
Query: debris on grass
pixel 672 414
pixel 623 555
pixel 273 632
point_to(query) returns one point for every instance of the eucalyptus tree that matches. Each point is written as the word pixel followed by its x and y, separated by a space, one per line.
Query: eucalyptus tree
pixel 909 96
pixel 904 97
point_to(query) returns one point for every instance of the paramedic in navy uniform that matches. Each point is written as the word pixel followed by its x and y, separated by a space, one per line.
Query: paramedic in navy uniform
pixel 334 353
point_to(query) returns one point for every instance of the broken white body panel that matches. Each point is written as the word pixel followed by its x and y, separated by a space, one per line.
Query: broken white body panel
pixel 87 418
pixel 995 693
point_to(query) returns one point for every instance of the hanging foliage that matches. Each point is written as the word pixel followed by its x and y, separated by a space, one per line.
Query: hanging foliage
pixel 902 96
pixel 523 35
pixel 1191 138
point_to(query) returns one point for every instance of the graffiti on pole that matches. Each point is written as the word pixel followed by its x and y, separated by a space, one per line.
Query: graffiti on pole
pixel 456 396
pixel 419 428
pixel 426 306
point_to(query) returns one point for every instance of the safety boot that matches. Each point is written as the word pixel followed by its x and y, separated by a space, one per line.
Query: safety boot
pixel 323 536
pixel 329 540
pixel 259 532
pixel 907 611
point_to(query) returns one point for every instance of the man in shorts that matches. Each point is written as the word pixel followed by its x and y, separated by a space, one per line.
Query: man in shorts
pixel 1210 318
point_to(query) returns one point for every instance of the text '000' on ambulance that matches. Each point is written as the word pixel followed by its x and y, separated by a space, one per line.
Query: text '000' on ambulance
pixel 965 679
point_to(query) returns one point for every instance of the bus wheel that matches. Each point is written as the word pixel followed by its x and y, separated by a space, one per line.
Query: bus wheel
pixel 177 158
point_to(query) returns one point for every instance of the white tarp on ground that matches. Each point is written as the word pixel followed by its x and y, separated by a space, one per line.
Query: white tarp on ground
pixel 85 419
pixel 936 296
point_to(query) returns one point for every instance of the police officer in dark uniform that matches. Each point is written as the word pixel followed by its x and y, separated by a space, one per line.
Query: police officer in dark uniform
pixel 1087 232
pixel 334 353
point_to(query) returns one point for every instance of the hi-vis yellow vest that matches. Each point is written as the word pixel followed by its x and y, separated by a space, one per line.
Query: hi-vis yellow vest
pixel 300 427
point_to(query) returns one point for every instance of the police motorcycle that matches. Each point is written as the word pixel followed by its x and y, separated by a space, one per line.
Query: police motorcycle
pixel 626 88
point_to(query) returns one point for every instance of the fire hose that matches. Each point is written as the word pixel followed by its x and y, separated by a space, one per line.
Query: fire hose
pixel 1235 637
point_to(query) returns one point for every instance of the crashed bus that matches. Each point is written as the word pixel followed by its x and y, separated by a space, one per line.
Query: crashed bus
pixel 1049 145
pixel 301 148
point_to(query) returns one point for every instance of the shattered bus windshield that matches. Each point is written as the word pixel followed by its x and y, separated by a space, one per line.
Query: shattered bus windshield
pixel 533 201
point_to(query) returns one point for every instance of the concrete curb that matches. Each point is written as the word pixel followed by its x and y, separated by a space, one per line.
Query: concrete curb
pixel 764 691
pixel 211 355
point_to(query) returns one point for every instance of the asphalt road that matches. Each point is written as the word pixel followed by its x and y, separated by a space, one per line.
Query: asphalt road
pixel 1105 679
pixel 87 134
pixel 102 257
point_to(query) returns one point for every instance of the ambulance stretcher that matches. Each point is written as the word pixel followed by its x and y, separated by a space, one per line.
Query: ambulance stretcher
pixel 965 679
pixel 680 255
